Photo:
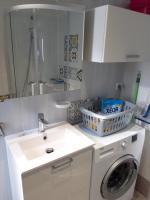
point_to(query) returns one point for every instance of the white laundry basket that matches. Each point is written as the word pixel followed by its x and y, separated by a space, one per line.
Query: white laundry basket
pixel 103 125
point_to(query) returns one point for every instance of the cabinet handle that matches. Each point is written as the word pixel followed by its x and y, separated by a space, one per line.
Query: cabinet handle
pixel 132 56
pixel 62 165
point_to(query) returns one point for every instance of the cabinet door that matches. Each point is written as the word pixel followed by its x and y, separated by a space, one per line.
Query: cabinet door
pixel 114 34
pixel 67 179
pixel 127 36
pixel 95 28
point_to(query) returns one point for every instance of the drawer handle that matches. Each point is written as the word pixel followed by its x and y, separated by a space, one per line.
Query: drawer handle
pixel 62 165
pixel 132 56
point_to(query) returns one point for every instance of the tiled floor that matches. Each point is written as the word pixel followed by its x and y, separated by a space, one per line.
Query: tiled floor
pixel 138 196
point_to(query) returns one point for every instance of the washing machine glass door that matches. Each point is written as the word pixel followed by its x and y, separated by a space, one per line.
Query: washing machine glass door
pixel 119 177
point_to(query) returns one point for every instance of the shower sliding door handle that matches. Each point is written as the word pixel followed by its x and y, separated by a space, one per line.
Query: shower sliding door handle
pixel 41 86
pixel 132 56
pixel 2 133
pixel 32 84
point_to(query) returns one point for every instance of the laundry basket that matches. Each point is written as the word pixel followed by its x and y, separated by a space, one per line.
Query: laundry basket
pixel 103 125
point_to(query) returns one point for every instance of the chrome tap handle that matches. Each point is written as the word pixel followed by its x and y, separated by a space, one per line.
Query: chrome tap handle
pixel 42 122
pixel 41 118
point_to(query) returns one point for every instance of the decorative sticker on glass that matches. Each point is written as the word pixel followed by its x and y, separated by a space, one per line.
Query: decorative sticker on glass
pixel 71 48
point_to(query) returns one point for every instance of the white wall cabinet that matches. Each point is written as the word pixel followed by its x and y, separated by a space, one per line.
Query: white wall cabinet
pixel 67 179
pixel 114 34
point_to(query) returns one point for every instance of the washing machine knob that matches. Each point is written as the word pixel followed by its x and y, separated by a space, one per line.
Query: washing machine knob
pixel 124 144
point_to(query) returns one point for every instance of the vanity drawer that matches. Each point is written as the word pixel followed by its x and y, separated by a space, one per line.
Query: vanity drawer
pixel 65 179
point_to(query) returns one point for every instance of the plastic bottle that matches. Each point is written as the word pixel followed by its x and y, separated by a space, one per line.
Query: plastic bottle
pixel 135 89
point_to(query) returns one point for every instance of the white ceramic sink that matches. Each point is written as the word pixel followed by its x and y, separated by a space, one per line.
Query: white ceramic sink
pixel 35 150
pixel 57 138
pixel 29 151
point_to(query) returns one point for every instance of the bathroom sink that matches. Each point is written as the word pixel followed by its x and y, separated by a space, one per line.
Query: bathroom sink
pixel 56 138
pixel 32 150
pixel 41 150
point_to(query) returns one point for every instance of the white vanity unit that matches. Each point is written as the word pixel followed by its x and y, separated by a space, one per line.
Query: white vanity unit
pixel 62 174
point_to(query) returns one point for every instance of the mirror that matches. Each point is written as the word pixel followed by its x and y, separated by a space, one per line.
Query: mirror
pixel 46 49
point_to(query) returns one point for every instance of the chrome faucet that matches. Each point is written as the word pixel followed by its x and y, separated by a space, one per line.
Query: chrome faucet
pixel 43 124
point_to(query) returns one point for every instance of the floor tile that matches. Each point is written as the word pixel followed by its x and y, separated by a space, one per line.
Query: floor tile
pixel 138 196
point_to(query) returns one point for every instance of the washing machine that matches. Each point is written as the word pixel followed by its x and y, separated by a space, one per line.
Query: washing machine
pixel 116 160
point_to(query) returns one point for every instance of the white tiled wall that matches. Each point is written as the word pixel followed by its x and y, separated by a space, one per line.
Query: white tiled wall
pixel 21 114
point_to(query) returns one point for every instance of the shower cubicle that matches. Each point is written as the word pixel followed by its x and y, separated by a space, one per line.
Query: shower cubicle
pixel 46 48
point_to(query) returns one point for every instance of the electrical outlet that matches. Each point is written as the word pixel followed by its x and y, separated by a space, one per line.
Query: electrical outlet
pixel 119 86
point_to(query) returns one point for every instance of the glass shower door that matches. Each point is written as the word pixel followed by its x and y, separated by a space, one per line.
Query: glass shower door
pixel 47 48
pixel 24 53
pixel 50 34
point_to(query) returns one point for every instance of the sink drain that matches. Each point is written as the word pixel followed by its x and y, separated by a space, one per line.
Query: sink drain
pixel 49 150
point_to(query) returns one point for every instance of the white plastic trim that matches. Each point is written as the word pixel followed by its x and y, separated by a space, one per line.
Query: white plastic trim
pixel 62 104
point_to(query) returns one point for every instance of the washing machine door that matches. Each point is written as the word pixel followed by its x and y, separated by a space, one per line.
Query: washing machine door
pixel 119 177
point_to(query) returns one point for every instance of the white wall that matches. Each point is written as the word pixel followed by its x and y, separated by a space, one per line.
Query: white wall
pixel 100 79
